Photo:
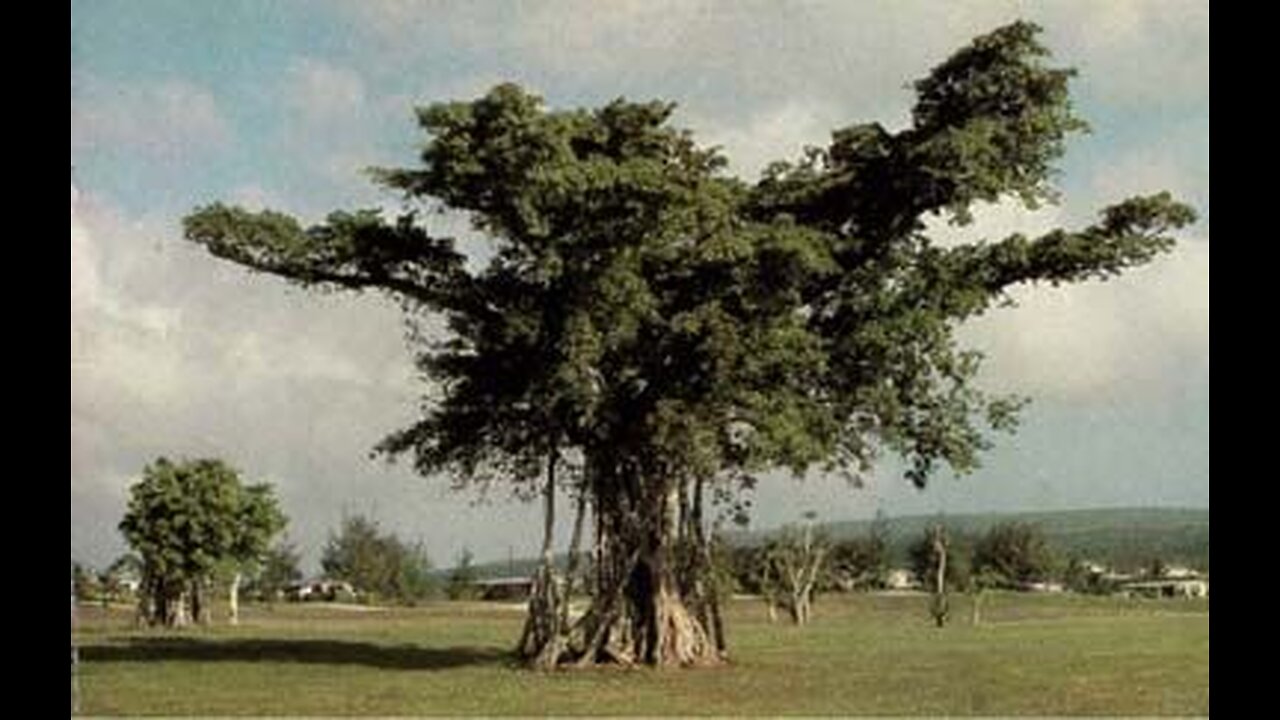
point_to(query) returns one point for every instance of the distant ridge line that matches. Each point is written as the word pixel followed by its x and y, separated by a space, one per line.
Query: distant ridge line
pixel 1121 536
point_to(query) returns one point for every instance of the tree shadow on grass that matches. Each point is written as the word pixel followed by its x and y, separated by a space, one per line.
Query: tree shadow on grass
pixel 319 652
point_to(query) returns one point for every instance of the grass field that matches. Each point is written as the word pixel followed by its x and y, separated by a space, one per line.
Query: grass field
pixel 879 655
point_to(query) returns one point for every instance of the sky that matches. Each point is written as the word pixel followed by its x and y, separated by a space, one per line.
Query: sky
pixel 284 104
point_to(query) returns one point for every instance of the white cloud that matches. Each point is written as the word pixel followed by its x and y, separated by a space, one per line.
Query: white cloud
pixel 1146 169
pixel 1144 332
pixel 777 133
pixel 734 55
pixel 1073 341
pixel 1135 52
pixel 176 353
pixel 143 298
pixel 170 119
pixel 762 79
pixel 85 284
pixel 996 221
pixel 706 55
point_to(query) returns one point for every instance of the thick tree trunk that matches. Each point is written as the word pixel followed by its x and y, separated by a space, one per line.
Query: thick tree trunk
pixel 639 612
pixel 667 634
pixel 164 602
pixel 177 609
pixel 542 641
pixel 575 547
pixel 146 608
pixel 199 606
pixel 705 586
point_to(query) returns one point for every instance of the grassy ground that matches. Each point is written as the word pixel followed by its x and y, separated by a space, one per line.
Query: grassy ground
pixel 1033 655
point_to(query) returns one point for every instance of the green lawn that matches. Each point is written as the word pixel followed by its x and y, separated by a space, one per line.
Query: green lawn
pixel 878 655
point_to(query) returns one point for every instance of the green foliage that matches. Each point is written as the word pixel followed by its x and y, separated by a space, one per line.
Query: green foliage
pixel 259 520
pixel 462 579
pixel 84 583
pixel 793 548
pixel 1078 577
pixel 1013 554
pixel 1124 539
pixel 127 565
pixel 722 573
pixel 653 321
pixel 923 560
pixel 281 566
pixel 793 565
pixel 360 554
pixel 113 579
pixel 377 563
pixel 183 518
pixel 860 563
pixel 415 580
pixel 746 563
pixel 641 300
pixel 186 519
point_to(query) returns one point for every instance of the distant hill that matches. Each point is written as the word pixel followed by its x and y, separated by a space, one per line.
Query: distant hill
pixel 1125 538
pixel 1122 538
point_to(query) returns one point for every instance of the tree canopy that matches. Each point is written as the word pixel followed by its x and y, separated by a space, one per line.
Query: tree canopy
pixel 186 518
pixel 923 558
pixel 281 566
pixel 649 324
pixel 861 562
pixel 375 562
pixel 1014 554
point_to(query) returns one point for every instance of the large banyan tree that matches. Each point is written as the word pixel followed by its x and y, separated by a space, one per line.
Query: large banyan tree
pixel 650 332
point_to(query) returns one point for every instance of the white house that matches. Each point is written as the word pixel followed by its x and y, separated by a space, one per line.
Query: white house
pixel 1192 587
pixel 900 579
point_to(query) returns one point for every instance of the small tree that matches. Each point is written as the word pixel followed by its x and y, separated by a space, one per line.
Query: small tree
pixel 259 521
pixel 861 563
pixel 462 579
pixel 923 561
pixel 375 562
pixel 938 547
pixel 358 553
pixel 413 580
pixel 1014 554
pixel 120 573
pixel 281 566
pixel 980 581
pixel 84 583
pixel 795 559
pixel 1079 577
pixel 941 561
pixel 748 571
pixel 185 520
